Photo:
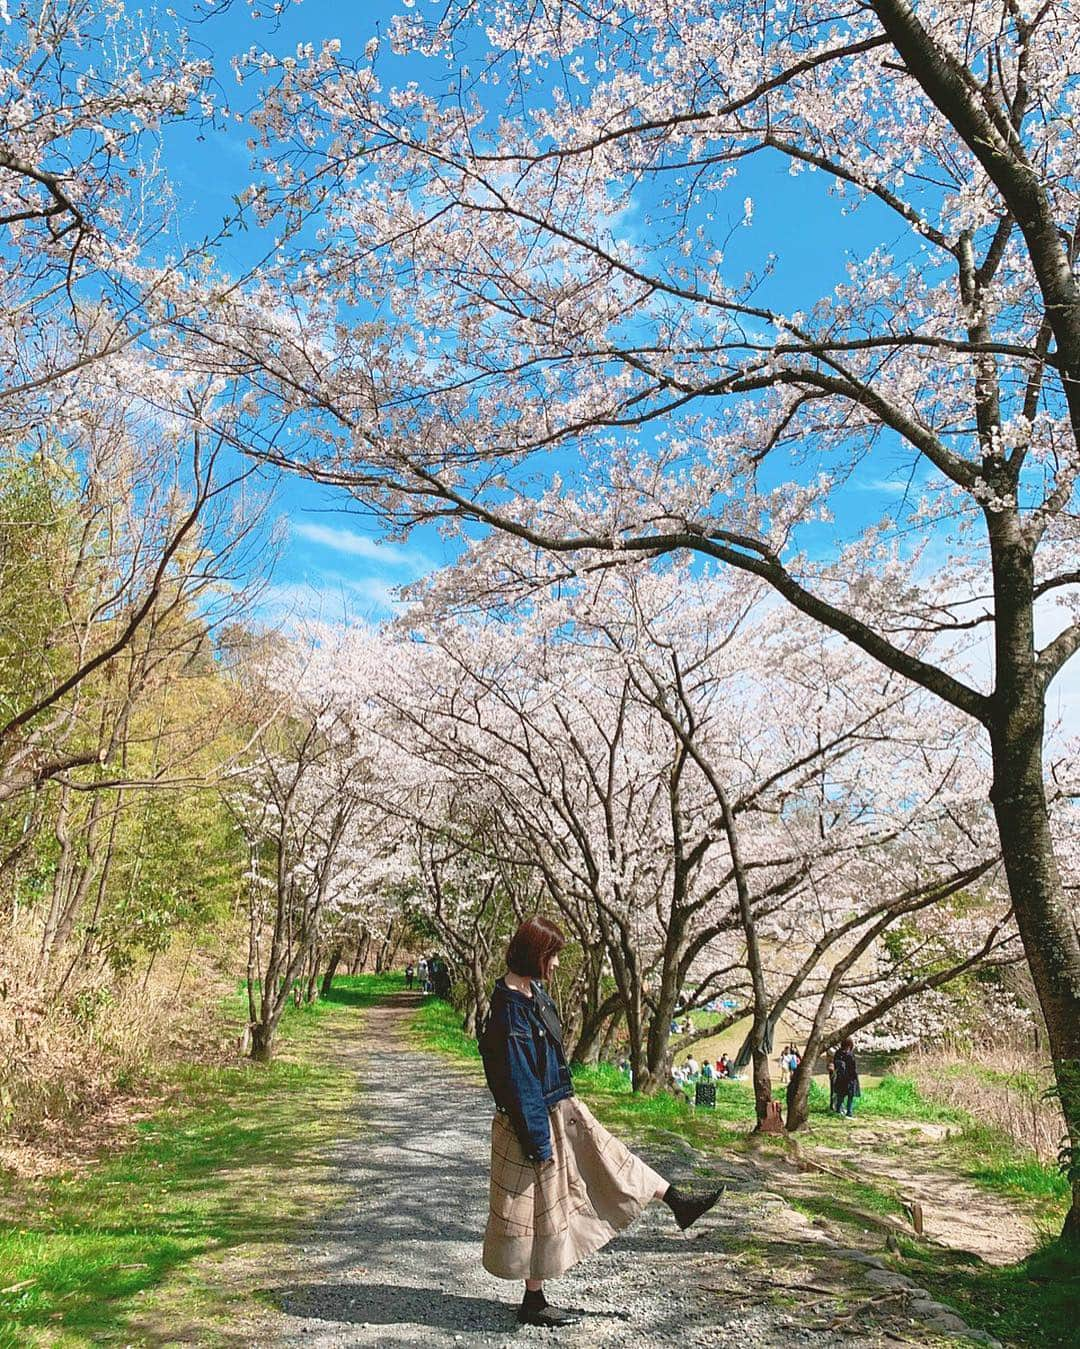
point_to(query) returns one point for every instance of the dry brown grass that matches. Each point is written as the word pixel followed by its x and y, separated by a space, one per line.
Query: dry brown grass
pixel 1002 1085
pixel 77 1068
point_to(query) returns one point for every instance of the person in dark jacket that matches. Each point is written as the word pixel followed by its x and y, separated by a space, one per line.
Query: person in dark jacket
pixel 845 1078
pixel 439 973
pixel 561 1185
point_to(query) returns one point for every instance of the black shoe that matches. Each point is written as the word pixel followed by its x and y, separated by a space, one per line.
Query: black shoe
pixel 549 1316
pixel 688 1208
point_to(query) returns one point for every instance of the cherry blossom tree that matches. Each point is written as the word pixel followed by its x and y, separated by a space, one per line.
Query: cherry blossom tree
pixel 308 808
pixel 536 241
pixel 94 265
pixel 704 791
pixel 96 401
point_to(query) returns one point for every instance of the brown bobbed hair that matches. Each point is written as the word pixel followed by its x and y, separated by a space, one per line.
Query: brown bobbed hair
pixel 532 946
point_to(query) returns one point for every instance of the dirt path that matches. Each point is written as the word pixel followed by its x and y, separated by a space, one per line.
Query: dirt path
pixel 956 1213
pixel 399 1263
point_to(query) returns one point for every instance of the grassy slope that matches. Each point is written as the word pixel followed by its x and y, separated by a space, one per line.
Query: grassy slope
pixel 181 1224
pixel 1030 1304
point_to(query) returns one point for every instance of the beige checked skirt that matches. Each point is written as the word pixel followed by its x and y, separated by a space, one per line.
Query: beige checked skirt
pixel 545 1219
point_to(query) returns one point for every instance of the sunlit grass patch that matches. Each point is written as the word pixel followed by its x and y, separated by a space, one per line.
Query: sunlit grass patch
pixel 233 1162
pixel 993 1160
pixel 900 1098
pixel 437 1026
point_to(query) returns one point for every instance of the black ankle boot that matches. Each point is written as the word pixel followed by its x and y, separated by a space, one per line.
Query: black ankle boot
pixel 688 1208
pixel 536 1311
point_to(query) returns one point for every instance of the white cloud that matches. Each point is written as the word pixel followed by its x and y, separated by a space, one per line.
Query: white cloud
pixel 889 486
pixel 360 545
pixel 333 599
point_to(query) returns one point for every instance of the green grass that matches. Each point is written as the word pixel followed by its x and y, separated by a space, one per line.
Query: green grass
pixel 848 1202
pixel 981 1154
pixel 994 1161
pixel 899 1098
pixel 226 1168
pixel 437 1026
pixel 1031 1305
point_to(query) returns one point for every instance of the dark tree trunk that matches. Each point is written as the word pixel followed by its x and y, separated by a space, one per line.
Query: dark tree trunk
pixel 1050 938
pixel 588 1045
pixel 610 1034
pixel 262 1041
pixel 660 1026
pixel 1017 727
pixel 798 1088
pixel 641 1079
pixel 331 970
pixel 762 1086
pixel 360 954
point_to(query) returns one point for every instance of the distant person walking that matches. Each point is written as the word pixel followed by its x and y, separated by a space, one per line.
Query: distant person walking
pixel 409 975
pixel 561 1185
pixel 439 977
pixel 846 1078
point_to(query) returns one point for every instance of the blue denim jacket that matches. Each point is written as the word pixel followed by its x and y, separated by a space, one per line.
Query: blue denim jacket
pixel 524 1063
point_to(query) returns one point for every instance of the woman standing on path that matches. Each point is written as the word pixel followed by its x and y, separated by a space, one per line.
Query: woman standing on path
pixel 561 1185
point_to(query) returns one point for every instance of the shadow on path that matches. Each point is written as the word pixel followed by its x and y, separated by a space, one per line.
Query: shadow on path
pixel 399 1263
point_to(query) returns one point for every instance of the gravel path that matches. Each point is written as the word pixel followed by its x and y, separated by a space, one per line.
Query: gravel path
pixel 399 1263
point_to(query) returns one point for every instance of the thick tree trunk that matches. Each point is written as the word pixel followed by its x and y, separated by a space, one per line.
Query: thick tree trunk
pixel 360 955
pixel 641 1078
pixel 1049 935
pixel 477 989
pixel 660 1052
pixel 798 1097
pixel 387 950
pixel 311 991
pixel 1017 727
pixel 798 1088
pixel 798 1091
pixel 762 1086
pixel 262 1041
pixel 586 1048
pixel 610 1033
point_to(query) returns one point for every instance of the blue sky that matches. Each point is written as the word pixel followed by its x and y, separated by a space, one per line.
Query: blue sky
pixel 332 565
